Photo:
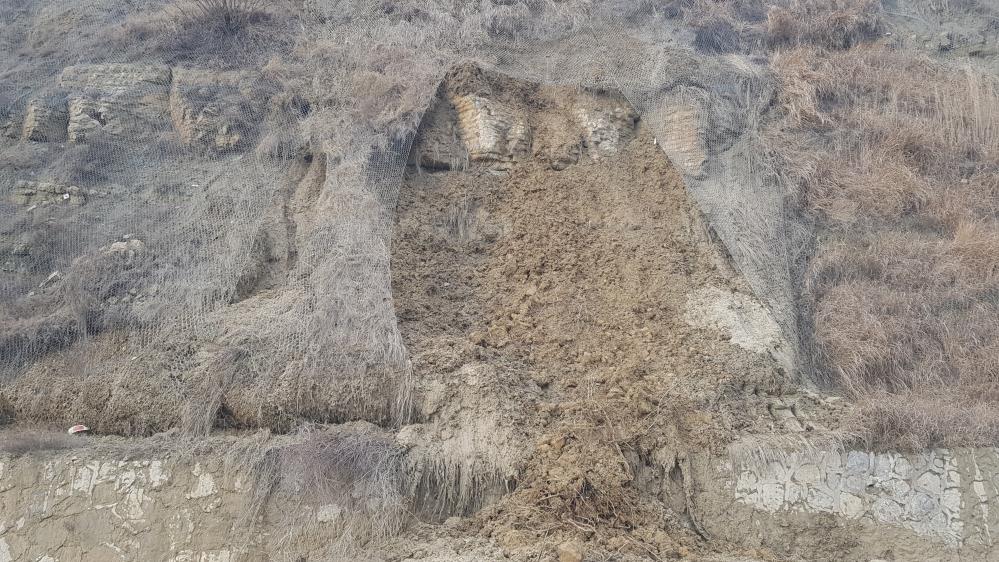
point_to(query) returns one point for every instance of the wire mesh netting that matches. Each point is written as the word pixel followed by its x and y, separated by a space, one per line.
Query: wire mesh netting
pixel 197 197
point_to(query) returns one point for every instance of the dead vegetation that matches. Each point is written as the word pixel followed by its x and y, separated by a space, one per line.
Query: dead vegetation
pixel 219 33
pixel 896 158
pixel 833 24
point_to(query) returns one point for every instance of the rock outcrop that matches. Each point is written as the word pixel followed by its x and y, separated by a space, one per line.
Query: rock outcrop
pixel 685 143
pixel 43 193
pixel 120 100
pixel 215 111
pixel 492 131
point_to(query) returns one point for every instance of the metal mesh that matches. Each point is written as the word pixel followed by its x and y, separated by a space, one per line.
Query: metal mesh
pixel 197 213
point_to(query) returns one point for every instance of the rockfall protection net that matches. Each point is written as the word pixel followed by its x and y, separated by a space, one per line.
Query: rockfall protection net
pixel 197 198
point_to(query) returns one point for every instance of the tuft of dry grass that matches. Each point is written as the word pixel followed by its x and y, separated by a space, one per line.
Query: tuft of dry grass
pixel 918 420
pixel 832 24
pixel 215 33
pixel 219 17
pixel 359 471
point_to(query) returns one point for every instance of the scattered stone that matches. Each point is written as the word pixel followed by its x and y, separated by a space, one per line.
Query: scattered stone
pixel 570 552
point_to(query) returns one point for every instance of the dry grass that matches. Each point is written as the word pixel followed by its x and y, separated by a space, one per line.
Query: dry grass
pixel 896 158
pixel 219 17
pixel 357 471
pixel 834 24
pixel 218 33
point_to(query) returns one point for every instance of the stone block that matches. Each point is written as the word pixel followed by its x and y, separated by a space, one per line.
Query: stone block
pixel 28 192
pixel 850 506
pixel 887 511
pixel 607 128
pixel 771 496
pixel 858 462
pixel 903 468
pixel 45 120
pixel 492 132
pixel 808 474
pixel 930 483
pixel 820 500
pixel 920 506
pixel 684 138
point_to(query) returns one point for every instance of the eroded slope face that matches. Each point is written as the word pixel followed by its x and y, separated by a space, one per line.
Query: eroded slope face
pixel 544 241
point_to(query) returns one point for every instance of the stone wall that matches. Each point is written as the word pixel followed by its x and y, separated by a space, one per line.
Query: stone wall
pixel 932 505
pixel 159 503
pixel 919 492
pixel 154 503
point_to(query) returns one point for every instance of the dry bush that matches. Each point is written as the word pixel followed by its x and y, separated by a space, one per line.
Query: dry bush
pixel 833 24
pixel 359 470
pixel 27 442
pixel 219 33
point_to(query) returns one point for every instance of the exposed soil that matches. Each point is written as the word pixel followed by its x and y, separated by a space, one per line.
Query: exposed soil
pixel 573 285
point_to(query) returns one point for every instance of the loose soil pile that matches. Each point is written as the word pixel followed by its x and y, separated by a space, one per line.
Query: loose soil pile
pixel 573 286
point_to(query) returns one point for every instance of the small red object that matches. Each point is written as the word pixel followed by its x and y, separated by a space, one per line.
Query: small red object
pixel 79 428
